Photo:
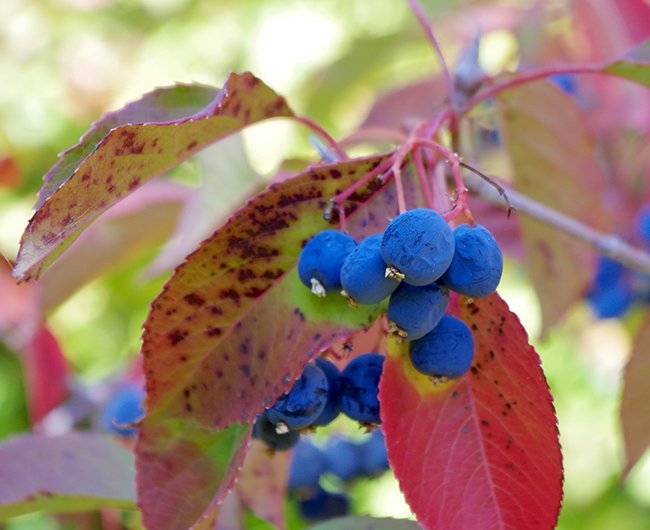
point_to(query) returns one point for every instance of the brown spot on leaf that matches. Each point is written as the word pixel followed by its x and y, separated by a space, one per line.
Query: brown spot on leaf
pixel 194 299
pixel 175 336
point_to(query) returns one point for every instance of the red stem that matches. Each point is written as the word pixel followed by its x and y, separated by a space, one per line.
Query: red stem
pixel 529 78
pixel 421 15
pixel 422 176
pixel 340 153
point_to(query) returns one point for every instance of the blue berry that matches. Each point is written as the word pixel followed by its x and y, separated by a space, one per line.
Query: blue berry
pixel 611 294
pixel 304 402
pixel 123 409
pixel 447 351
pixel 343 459
pixel 359 388
pixel 565 82
pixel 477 265
pixel 331 410
pixel 419 245
pixel 363 275
pixel 265 431
pixel 374 460
pixel 642 224
pixel 307 465
pixel 321 260
pixel 324 505
pixel 414 311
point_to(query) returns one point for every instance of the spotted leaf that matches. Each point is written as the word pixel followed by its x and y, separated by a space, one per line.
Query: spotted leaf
pixel 480 452
pixel 131 147
pixel 234 326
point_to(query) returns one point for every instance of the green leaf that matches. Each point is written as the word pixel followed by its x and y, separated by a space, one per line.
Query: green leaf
pixel 73 472
pixel 128 156
pixel 635 71
pixel 554 162
pixel 185 470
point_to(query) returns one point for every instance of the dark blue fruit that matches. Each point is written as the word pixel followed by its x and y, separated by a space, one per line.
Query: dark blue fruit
pixel 566 82
pixel 374 459
pixel 265 431
pixel 642 224
pixel 123 409
pixel 307 465
pixel 343 459
pixel 447 351
pixel 477 265
pixel 321 260
pixel 611 294
pixel 324 505
pixel 304 402
pixel 416 310
pixel 359 388
pixel 420 245
pixel 331 410
pixel 363 275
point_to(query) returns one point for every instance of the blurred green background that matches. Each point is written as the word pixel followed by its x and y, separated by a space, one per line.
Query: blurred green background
pixel 63 63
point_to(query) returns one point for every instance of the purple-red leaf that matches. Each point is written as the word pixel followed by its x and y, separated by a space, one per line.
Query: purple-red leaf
pixel 185 470
pixel 480 452
pixel 73 472
pixel 554 161
pixel 91 178
pixel 636 396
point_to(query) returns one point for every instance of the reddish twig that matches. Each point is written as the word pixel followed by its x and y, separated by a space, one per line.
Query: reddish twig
pixel 340 153
pixel 528 78
pixel 421 15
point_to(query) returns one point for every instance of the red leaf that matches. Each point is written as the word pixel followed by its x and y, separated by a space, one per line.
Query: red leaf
pixel 46 374
pixel 127 157
pixel 481 452
pixel 10 175
pixel 262 483
pixel 636 396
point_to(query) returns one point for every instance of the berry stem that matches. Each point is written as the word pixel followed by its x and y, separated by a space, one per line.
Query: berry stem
pixel 460 202
pixel 529 78
pixel 339 200
pixel 423 177
pixel 421 15
pixel 342 155
pixel 608 244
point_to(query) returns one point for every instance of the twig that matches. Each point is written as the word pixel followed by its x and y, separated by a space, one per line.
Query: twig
pixel 608 244
pixel 421 15
pixel 340 153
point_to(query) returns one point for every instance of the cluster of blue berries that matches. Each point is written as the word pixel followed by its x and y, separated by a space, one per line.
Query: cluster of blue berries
pixel 319 396
pixel 616 288
pixel 341 459
pixel 415 262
